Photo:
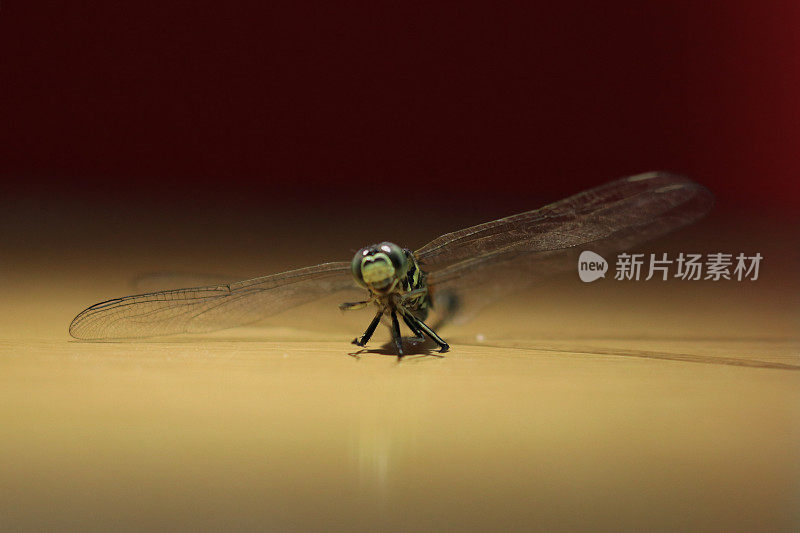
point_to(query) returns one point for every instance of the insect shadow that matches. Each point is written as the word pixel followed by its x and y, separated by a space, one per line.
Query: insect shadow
pixel 412 350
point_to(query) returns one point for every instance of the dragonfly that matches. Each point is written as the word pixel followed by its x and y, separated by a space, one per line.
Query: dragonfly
pixel 456 274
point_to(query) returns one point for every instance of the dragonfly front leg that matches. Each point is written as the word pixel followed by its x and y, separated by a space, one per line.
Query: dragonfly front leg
pixel 352 306
pixel 369 331
pixel 407 297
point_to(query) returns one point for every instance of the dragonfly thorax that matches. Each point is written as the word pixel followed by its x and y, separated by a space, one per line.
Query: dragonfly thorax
pixel 379 267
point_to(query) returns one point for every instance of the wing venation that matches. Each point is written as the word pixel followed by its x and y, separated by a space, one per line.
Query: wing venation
pixel 484 262
pixel 203 309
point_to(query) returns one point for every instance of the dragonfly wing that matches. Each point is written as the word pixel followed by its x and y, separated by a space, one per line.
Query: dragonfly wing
pixel 657 202
pixel 161 281
pixel 210 308
pixel 481 264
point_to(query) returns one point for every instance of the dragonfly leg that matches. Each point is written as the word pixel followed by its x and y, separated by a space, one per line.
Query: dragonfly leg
pixel 410 295
pixel 369 331
pixel 443 346
pixel 352 306
pixel 398 341
pixel 419 336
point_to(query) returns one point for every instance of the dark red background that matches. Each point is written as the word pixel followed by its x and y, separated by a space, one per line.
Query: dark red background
pixel 124 101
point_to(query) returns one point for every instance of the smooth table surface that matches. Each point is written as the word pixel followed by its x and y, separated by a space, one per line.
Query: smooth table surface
pixel 656 406
pixel 605 406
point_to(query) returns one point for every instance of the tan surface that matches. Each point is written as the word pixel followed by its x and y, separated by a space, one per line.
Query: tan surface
pixel 666 406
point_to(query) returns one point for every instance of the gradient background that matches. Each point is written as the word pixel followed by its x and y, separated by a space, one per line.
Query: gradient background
pixel 246 140
pixel 254 104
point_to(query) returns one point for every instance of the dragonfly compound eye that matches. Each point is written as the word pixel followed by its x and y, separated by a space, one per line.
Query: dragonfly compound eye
pixel 355 265
pixel 380 265
pixel 396 255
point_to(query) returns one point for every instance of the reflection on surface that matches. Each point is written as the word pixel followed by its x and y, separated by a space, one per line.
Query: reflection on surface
pixel 372 453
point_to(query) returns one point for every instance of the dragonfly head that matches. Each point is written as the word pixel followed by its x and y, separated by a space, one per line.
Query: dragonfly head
pixel 378 267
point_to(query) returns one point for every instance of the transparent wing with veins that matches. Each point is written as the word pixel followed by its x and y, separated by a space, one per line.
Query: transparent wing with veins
pixel 475 265
pixel 480 264
pixel 211 308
